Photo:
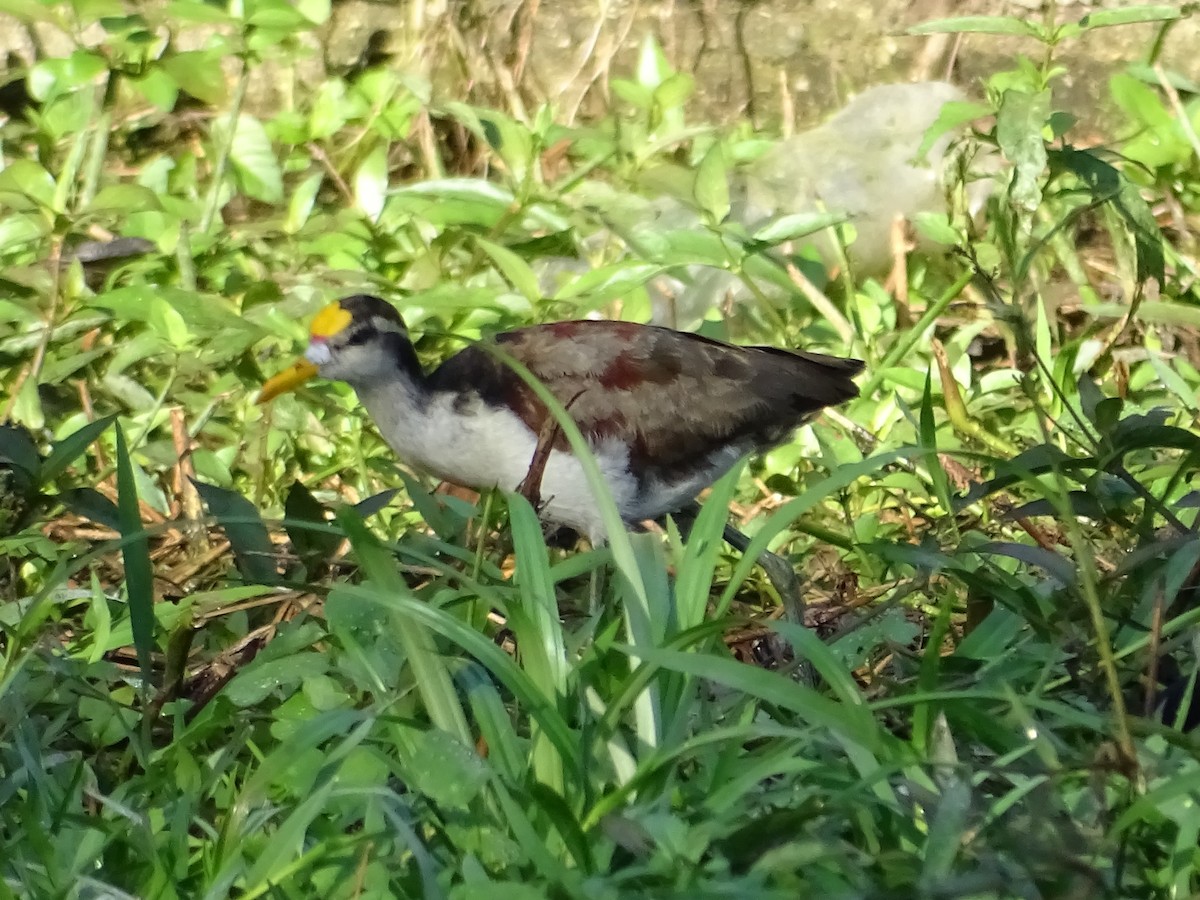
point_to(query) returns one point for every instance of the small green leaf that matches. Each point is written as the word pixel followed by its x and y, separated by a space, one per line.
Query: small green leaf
pixel 330 110
pixel 514 269
pixel 797 225
pixel 198 11
pixel 674 91
pixel 371 183
pixel 254 160
pixel 316 11
pixel 300 206
pixel 711 191
pixel 448 772
pixel 936 227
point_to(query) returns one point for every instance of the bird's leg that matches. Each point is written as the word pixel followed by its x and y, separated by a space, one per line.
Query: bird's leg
pixel 531 485
pixel 777 569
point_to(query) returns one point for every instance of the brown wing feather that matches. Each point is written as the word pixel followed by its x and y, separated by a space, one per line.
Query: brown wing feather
pixel 674 398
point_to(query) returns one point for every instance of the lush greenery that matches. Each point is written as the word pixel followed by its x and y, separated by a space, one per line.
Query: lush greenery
pixel 309 673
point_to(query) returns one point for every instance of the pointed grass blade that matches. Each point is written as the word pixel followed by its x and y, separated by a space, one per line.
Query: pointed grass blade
pixel 135 552
pixel 432 678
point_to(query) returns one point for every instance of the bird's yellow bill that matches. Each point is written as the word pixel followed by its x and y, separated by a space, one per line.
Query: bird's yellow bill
pixel 325 324
pixel 287 380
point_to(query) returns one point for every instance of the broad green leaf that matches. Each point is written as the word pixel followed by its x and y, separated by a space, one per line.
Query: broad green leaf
pixel 198 72
pixel 51 78
pixel 263 677
pixel 71 448
pixel 1108 184
pixel 91 504
pixel 1019 123
pixel 952 116
pixel 27 178
pixel 248 536
pixel 936 227
pixel 125 198
pixel 18 229
pixel 158 87
pixel 1053 564
pixel 253 158
pixel 609 281
pixel 17 448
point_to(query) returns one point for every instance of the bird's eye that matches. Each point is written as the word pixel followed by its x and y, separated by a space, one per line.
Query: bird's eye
pixel 359 336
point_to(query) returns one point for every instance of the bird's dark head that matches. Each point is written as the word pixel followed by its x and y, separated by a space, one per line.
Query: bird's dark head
pixel 359 339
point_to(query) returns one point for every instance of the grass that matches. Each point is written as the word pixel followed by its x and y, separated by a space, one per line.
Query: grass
pixel 243 654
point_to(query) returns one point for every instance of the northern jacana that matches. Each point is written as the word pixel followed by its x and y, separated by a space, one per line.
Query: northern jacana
pixel 666 413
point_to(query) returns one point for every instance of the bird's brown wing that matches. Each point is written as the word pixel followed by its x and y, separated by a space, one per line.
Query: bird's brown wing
pixel 674 398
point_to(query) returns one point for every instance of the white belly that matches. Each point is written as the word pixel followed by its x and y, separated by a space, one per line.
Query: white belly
pixel 485 447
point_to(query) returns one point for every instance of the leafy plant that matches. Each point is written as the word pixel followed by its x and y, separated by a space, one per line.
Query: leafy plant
pixel 243 653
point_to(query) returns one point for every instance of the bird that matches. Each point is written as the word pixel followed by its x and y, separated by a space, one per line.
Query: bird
pixel 665 412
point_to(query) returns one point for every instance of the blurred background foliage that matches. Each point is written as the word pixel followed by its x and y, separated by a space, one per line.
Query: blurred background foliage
pixel 245 654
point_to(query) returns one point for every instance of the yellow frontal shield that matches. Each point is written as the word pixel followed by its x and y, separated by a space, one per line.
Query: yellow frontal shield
pixel 328 322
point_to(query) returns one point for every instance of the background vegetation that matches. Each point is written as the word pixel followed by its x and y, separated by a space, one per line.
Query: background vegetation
pixel 244 654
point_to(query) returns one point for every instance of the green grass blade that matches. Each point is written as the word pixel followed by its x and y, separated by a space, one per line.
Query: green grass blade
pixel 432 678
pixel 535 623
pixel 135 553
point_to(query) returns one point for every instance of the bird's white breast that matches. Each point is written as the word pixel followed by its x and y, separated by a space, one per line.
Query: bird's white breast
pixel 482 446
